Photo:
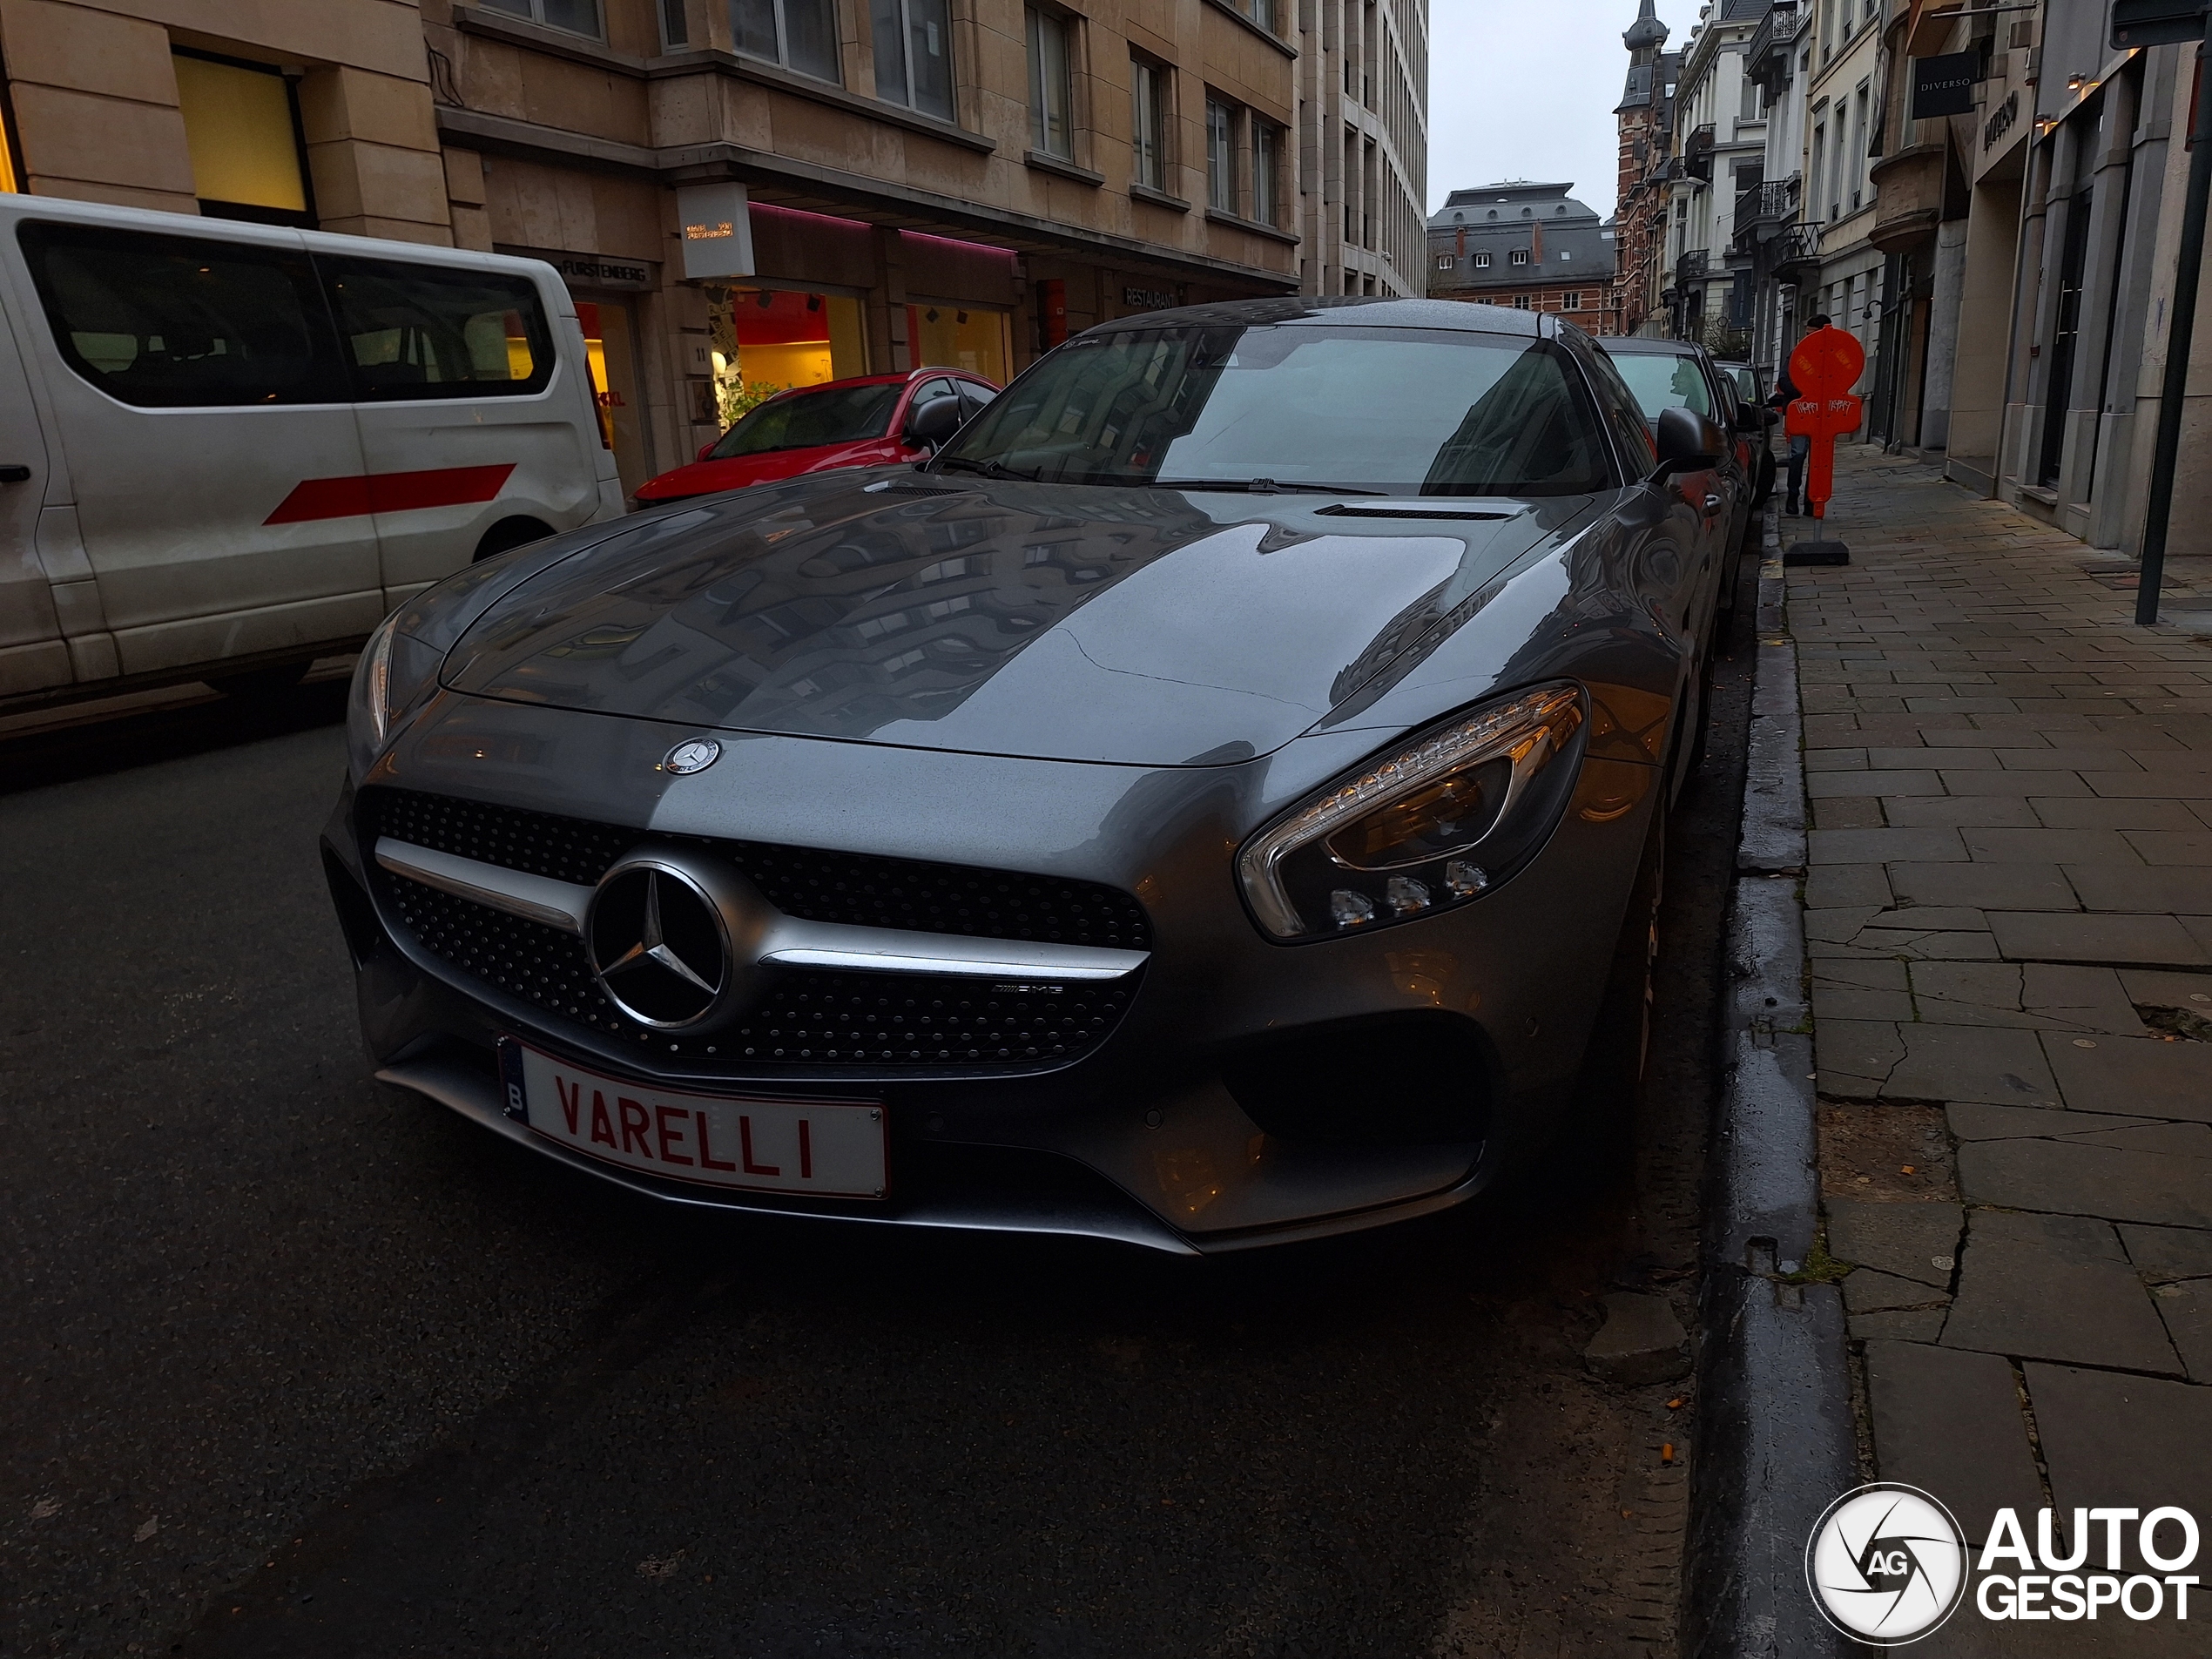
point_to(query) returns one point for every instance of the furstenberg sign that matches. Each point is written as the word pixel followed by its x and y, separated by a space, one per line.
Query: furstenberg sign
pixel 1888 1564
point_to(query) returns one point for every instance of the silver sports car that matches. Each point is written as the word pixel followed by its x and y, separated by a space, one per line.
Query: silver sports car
pixel 1214 800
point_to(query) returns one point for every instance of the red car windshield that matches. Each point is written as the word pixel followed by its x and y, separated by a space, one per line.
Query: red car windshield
pixel 804 419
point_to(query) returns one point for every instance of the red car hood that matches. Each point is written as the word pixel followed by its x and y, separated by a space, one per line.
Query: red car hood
pixel 705 477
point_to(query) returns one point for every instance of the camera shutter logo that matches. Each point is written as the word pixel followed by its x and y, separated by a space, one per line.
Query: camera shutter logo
pixel 1886 1563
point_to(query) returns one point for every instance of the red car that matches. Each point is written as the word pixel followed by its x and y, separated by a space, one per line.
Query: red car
pixel 869 421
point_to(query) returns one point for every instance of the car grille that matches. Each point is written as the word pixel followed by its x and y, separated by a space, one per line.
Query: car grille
pixel 810 1019
pixel 807 882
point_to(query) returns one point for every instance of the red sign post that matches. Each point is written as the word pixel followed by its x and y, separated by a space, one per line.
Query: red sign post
pixel 1826 366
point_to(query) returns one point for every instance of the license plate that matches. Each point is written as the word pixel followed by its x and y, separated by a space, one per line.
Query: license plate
pixel 824 1148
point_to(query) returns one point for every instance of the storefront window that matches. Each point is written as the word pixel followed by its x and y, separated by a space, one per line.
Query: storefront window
pixel 614 385
pixel 969 337
pixel 779 338
pixel 244 141
pixel 914 55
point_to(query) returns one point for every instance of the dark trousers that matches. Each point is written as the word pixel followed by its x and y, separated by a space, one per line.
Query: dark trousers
pixel 1800 447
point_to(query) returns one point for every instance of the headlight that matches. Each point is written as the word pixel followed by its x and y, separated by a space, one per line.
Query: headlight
pixel 1446 818
pixel 394 672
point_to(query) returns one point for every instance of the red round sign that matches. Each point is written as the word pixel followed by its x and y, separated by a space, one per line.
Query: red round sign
pixel 1827 363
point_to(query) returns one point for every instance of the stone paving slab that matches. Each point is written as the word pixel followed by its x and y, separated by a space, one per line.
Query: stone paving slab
pixel 2053 1287
pixel 2074 1179
pixel 2141 1076
pixel 1950 1423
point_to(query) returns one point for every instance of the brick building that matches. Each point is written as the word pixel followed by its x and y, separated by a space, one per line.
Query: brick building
pixel 1532 246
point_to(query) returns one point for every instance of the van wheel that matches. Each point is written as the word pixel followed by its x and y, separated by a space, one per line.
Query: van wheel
pixel 508 534
pixel 258 684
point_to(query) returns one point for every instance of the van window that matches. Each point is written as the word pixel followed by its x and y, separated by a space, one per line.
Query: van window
pixel 173 321
pixel 417 331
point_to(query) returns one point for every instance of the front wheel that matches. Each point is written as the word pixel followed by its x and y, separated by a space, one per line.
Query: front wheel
pixel 1619 1049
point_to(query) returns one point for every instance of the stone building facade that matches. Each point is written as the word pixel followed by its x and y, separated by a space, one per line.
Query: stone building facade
pixel 1363 145
pixel 1648 167
pixel 924 181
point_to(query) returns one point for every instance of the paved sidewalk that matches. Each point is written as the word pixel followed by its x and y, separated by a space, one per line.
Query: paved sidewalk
pixel 2009 918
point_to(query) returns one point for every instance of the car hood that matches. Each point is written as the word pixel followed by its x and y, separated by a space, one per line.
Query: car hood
pixel 1139 626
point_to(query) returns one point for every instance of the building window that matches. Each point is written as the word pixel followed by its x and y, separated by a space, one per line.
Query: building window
pixel 1482 261
pixel 1267 172
pixel 1520 302
pixel 1520 256
pixel 1571 300
pixel 1221 156
pixel 1445 262
pixel 1052 131
pixel 242 134
pixel 1566 254
pixel 577 17
pixel 799 34
pixel 1148 123
pixel 675 31
pixel 914 55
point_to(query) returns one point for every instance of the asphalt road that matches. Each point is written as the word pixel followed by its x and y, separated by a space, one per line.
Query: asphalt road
pixel 296 1364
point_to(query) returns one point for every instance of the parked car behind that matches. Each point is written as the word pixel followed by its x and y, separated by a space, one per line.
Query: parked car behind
pixel 226 450
pixel 1680 374
pixel 1748 383
pixel 1218 799
pixel 867 421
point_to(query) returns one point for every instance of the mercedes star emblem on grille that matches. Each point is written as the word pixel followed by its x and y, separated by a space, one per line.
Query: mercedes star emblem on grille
pixel 696 754
pixel 658 945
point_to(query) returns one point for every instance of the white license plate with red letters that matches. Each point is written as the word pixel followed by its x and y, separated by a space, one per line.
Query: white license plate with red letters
pixel 824 1148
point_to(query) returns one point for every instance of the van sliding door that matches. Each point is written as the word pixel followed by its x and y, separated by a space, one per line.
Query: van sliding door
pixel 209 442
pixel 33 656
pixel 468 418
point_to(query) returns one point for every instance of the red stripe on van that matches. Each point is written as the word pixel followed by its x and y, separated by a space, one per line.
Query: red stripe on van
pixel 388 492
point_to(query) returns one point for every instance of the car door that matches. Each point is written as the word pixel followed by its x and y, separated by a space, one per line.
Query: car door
pixel 467 411
pixel 32 654
pixel 199 404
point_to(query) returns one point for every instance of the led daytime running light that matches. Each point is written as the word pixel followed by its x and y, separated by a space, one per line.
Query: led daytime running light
pixel 1520 731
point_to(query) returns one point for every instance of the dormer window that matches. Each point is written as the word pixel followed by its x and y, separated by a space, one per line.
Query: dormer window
pixel 1520 256
pixel 1482 261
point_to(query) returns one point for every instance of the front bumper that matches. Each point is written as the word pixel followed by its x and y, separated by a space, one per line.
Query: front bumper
pixel 1148 1139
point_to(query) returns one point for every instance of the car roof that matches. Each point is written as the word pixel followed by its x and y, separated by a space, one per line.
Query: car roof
pixel 1373 311
pixel 899 379
pixel 1645 344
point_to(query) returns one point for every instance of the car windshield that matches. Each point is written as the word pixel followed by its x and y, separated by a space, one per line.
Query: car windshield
pixel 1664 381
pixel 802 420
pixel 1391 411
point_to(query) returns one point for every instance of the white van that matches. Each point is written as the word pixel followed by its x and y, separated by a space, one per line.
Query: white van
pixel 226 448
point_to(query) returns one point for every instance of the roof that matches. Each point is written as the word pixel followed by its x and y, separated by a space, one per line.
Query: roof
pixel 1514 203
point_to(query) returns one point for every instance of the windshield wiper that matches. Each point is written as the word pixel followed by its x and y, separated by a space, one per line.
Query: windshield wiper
pixel 1258 487
pixel 987 468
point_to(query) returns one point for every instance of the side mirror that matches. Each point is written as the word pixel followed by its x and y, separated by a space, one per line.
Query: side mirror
pixel 1770 417
pixel 1688 442
pixel 931 423
pixel 707 448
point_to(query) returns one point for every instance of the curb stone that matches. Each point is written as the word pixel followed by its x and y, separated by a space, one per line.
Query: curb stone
pixel 1778 1444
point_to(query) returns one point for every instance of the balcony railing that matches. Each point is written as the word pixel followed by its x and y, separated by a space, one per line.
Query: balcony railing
pixel 1697 152
pixel 1763 208
pixel 1794 250
pixel 1692 266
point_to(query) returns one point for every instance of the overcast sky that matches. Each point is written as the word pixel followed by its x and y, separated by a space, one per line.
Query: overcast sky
pixel 1522 91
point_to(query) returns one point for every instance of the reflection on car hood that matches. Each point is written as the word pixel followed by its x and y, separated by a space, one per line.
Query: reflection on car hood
pixel 1115 626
